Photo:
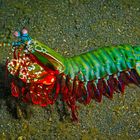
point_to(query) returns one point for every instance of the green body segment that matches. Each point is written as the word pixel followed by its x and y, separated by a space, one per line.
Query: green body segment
pixel 137 58
pixel 92 65
pixel 46 50
pixel 47 56
pixel 102 62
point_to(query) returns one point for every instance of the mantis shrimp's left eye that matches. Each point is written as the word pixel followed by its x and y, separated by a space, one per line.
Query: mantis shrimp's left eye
pixel 16 34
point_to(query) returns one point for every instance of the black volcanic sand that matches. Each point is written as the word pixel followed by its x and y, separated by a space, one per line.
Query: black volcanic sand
pixel 71 27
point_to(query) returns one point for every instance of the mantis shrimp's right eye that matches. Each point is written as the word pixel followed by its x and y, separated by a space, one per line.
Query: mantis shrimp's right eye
pixel 24 31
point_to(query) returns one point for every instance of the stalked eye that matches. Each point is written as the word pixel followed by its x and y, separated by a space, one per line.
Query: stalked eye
pixel 16 34
pixel 24 31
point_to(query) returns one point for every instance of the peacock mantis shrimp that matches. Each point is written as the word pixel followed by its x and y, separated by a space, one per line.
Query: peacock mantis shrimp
pixel 47 76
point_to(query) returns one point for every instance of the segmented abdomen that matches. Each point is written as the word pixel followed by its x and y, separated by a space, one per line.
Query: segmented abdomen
pixel 101 63
pixel 100 72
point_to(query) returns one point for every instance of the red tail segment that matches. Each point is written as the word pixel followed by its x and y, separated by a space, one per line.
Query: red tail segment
pixel 95 90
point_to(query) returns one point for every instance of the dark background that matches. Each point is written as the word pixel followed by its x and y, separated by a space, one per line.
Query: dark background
pixel 71 27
